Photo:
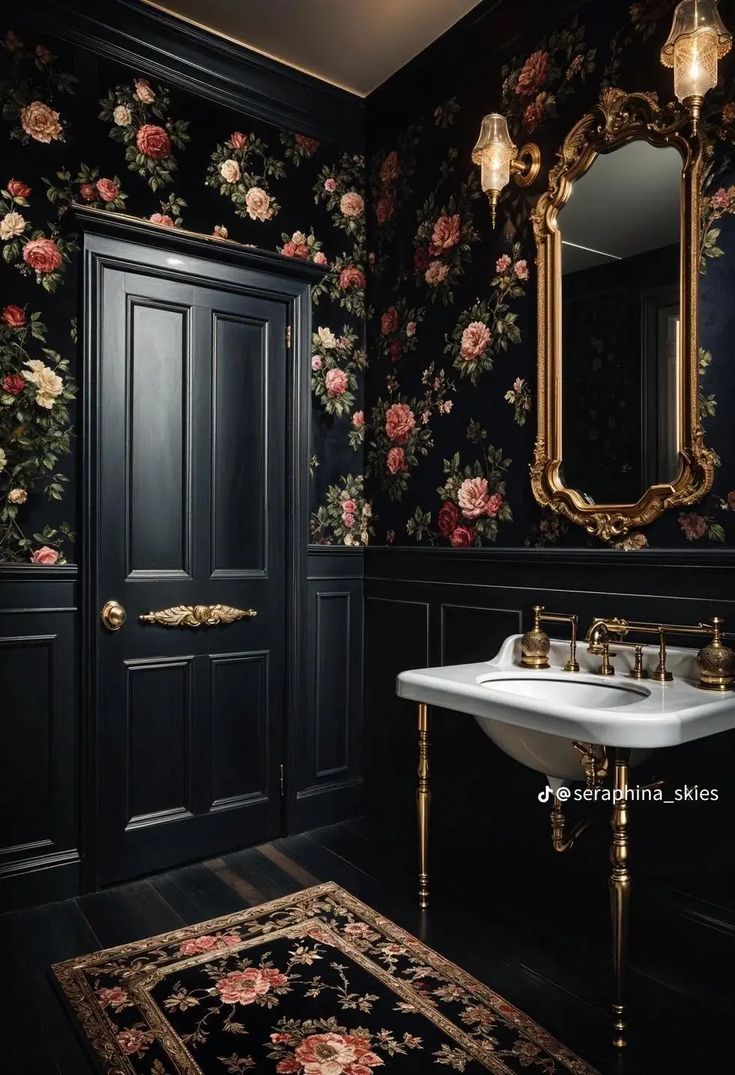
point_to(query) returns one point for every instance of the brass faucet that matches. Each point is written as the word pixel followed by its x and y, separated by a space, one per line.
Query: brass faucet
pixel 716 661
pixel 536 644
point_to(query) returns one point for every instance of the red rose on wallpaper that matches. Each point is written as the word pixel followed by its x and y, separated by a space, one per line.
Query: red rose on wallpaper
pixel 107 190
pixel 309 145
pixel 534 73
pixel 395 460
pixel 399 422
pixel 445 234
pixel 43 255
pixel 351 276
pixel 462 536
pixel 295 250
pixel 13 316
pixel 421 259
pixel 384 208
pixel 448 518
pixel 88 191
pixel 18 188
pixel 395 350
pixel 13 384
pixel 389 321
pixel 153 141
pixel 238 140
pixel 390 169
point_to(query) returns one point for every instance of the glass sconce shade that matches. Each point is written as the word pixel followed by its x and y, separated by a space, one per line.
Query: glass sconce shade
pixel 494 151
pixel 698 39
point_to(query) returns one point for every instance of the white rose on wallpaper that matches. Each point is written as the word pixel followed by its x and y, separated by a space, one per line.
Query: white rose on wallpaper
pixel 144 91
pixel 122 116
pixel 258 204
pixel 41 122
pixel 351 204
pixel 3 460
pixel 48 384
pixel 12 225
pixel 17 496
pixel 327 338
pixel 229 170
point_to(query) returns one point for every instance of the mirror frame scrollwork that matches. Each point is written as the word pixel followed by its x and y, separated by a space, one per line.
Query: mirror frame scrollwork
pixel 618 119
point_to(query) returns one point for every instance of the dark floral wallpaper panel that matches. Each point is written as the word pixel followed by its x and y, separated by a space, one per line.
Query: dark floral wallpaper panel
pixel 74 128
pixel 451 387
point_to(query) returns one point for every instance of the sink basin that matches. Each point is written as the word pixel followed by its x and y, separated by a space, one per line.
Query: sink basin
pixel 569 691
pixel 535 716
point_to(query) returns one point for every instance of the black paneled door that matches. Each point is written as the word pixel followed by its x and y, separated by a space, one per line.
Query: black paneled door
pixel 191 456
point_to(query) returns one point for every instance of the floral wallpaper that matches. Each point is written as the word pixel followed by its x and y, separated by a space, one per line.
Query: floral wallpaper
pixel 423 363
pixel 77 129
pixel 451 410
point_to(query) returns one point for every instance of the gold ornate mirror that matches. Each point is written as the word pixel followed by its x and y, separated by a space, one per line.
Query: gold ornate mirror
pixel 619 432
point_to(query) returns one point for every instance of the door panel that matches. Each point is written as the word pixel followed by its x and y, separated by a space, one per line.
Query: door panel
pixel 191 490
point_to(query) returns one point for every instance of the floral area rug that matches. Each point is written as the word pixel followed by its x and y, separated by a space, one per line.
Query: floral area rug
pixel 316 983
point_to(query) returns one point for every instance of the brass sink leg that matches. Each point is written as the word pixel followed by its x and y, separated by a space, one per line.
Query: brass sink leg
pixel 423 804
pixel 620 892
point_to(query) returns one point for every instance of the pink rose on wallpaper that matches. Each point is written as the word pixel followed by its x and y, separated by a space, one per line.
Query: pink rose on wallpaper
pixel 436 273
pixel 411 328
pixel 330 185
pixel 349 506
pixel 389 321
pixel 163 219
pixel 43 255
pixel 399 422
pixel 244 987
pixel 534 73
pixel 238 140
pixel 445 234
pixel 351 276
pixel 473 497
pixel 143 91
pixel 17 188
pixel 88 191
pixel 384 208
pixel 358 420
pixel 107 190
pixel 309 145
pixel 295 250
pixel 504 262
pixel 390 169
pixel 316 362
pixel 494 504
pixel 13 384
pixel 693 526
pixel 475 340
pixel 44 555
pixel 320 258
pixel 352 204
pixel 462 536
pixel 220 231
pixel 448 518
pixel 521 269
pixel 395 460
pixel 336 382
pixel 13 316
pixel 153 142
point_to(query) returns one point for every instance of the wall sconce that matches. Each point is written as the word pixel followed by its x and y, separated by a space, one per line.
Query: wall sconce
pixel 698 39
pixel 498 159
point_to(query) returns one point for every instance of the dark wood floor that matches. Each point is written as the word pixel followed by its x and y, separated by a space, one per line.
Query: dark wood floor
pixel 546 955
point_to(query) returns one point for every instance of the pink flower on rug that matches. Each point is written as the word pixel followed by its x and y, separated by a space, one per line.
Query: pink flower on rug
pixel 244 987
pixel 207 943
pixel 333 1054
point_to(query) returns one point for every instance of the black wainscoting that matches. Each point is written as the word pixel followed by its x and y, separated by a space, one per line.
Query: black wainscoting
pixel 39 768
pixel 431 606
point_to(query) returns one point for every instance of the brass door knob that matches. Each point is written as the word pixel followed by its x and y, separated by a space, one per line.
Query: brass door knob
pixel 113 615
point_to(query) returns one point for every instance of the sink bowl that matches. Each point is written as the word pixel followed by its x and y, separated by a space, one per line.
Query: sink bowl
pixel 535 716
pixel 567 691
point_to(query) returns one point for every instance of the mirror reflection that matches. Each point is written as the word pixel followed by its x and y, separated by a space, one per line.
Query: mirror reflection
pixel 620 234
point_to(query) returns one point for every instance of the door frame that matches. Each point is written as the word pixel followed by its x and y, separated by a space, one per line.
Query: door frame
pixel 119 241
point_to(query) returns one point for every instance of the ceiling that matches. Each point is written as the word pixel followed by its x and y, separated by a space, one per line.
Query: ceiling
pixel 355 44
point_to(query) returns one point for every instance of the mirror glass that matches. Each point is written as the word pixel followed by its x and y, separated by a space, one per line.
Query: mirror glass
pixel 620 232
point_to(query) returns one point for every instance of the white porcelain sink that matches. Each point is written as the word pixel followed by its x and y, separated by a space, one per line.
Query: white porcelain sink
pixel 536 715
